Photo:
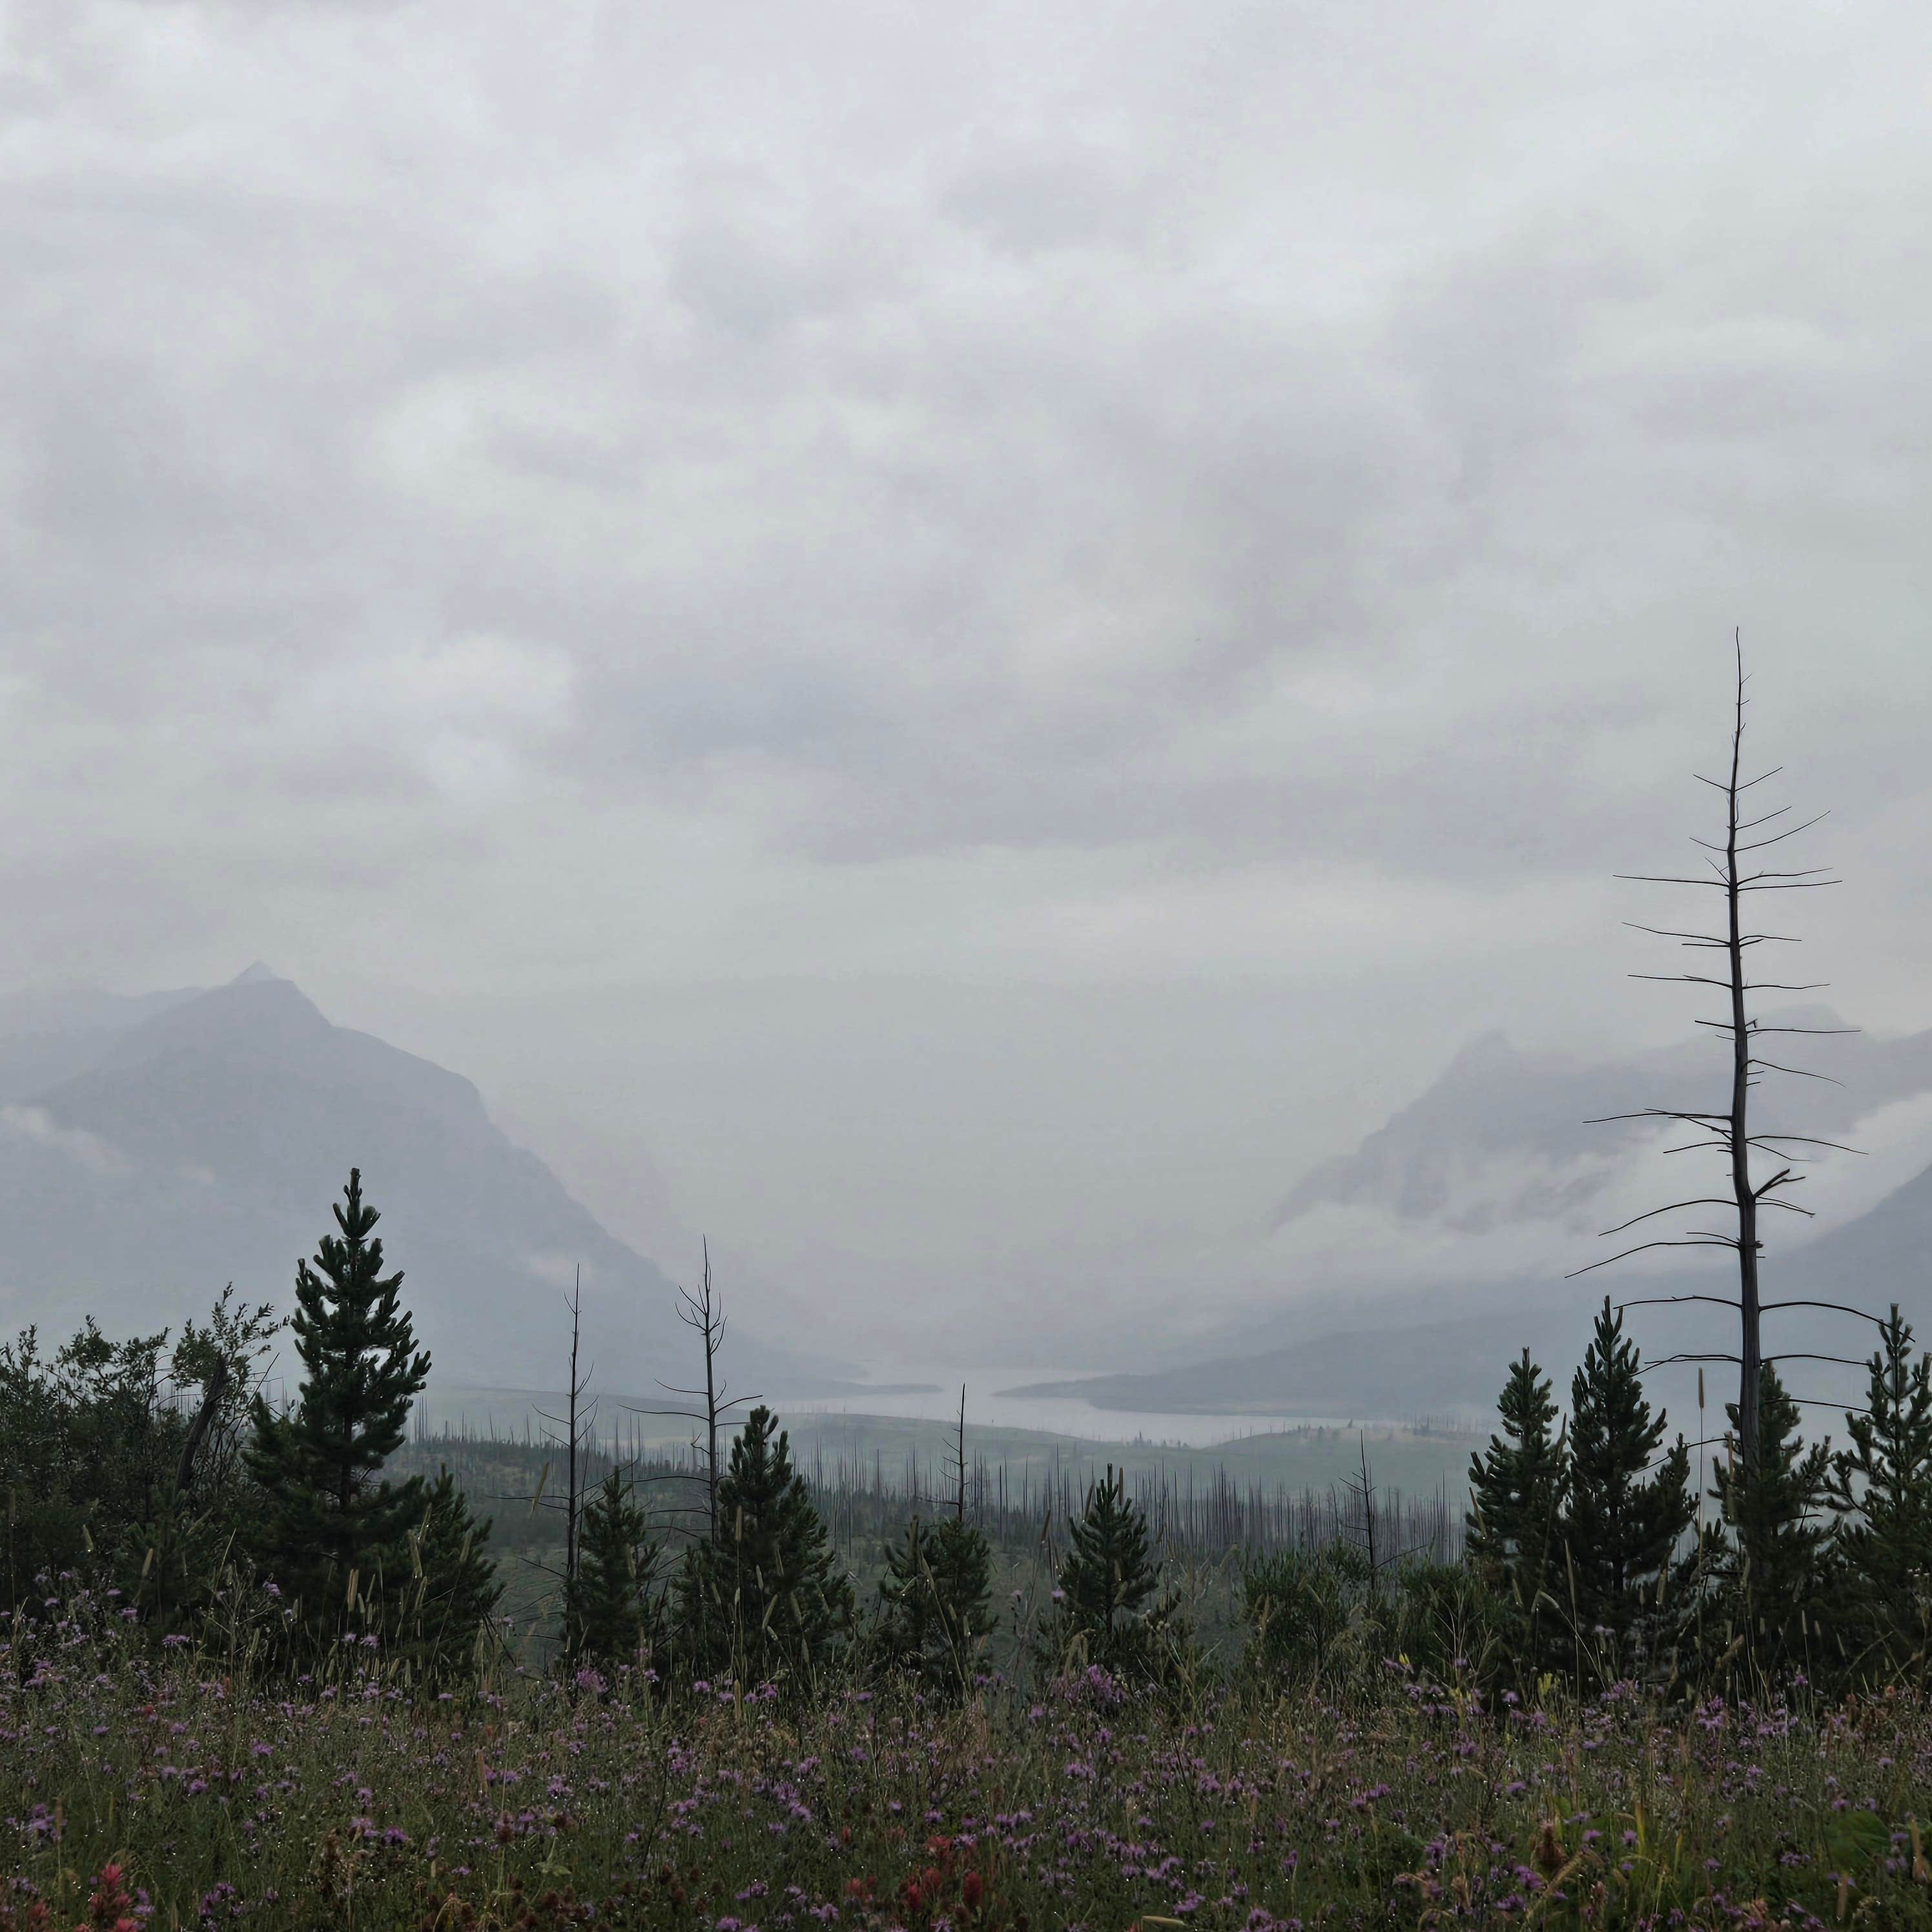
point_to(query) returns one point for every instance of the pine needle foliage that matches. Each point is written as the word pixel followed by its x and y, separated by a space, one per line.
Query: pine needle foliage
pixel 1106 1612
pixel 1621 1520
pixel 1518 1488
pixel 328 1512
pixel 444 1613
pixel 934 1599
pixel 761 1598
pixel 1768 1568
pixel 610 1611
pixel 1880 1490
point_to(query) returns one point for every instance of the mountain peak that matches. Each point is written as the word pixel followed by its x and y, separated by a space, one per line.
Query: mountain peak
pixel 254 975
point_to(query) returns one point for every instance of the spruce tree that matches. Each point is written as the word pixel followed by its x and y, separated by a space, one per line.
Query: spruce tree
pixel 933 1599
pixel 761 1597
pixel 1516 1492
pixel 453 1591
pixel 1769 1562
pixel 1620 1526
pixel 610 1614
pixel 1880 1489
pixel 1105 1579
pixel 327 1512
pixel 963 1575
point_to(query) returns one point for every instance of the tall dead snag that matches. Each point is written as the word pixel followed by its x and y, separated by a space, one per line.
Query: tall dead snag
pixel 573 1432
pixel 1735 874
pixel 957 1457
pixel 703 1314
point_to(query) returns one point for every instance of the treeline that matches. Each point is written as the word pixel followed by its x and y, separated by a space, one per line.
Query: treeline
pixel 1193 1516
pixel 158 1478
pixel 1586 1540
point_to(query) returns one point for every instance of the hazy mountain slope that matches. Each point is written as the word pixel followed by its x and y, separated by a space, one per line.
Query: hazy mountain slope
pixel 207 1142
pixel 1507 1135
pixel 1883 1256
pixel 46 1038
pixel 1500 1146
pixel 1401 1370
pixel 1393 1360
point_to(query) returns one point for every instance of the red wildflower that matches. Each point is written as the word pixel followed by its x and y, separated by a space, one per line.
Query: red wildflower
pixel 110 1906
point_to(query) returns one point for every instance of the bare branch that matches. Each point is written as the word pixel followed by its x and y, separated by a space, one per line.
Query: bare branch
pixel 1657 1114
pixel 1659 1300
pixel 1699 1241
pixel 1877 1321
pixel 1767 1142
pixel 1799 1072
pixel 1696 1200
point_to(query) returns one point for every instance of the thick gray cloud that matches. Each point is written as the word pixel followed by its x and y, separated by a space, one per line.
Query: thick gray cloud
pixel 515 513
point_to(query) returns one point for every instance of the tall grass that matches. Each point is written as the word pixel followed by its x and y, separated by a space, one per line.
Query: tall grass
pixel 209 1796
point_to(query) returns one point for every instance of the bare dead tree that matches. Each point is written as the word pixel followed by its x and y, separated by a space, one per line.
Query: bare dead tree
pixel 1363 1525
pixel 959 1459
pixel 1735 874
pixel 570 1429
pixel 703 1314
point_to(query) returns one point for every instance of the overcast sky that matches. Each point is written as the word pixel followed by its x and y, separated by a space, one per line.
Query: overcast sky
pixel 976 632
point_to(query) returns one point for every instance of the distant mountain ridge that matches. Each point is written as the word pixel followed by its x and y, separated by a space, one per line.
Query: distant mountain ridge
pixel 1393 1361
pixel 1506 1135
pixel 195 1138
pixel 1503 1138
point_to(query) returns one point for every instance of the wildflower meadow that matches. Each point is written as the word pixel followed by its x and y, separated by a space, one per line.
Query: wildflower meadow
pixel 160 1788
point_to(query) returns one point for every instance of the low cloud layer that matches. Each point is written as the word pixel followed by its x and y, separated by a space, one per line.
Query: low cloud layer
pixel 514 518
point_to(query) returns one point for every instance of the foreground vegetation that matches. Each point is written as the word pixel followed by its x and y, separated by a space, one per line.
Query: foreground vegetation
pixel 254 1669
pixel 169 1788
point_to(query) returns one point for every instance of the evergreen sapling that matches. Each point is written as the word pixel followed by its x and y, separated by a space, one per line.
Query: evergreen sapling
pixel 1106 1578
pixel 934 1598
pixel 610 1614
pixel 1620 1523
pixel 1517 1490
pixel 1769 1564
pixel 328 1513
pixel 761 1597
pixel 454 1592
pixel 1880 1490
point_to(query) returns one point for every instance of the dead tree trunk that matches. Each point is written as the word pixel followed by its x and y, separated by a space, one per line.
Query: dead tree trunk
pixel 578 1422
pixel 1735 874
pixel 216 1387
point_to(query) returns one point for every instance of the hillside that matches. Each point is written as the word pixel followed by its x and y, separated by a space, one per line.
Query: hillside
pixel 1498 1151
pixel 201 1139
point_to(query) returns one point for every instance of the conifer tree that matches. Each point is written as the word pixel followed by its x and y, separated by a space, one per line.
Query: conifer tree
pixel 454 1590
pixel 1620 1526
pixel 609 1612
pixel 1517 1488
pixel 1880 1489
pixel 761 1597
pixel 327 1510
pixel 1106 1578
pixel 963 1572
pixel 933 1598
pixel 1770 1560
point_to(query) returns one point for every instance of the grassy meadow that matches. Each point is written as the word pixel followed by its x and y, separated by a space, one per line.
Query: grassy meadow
pixel 174 1789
